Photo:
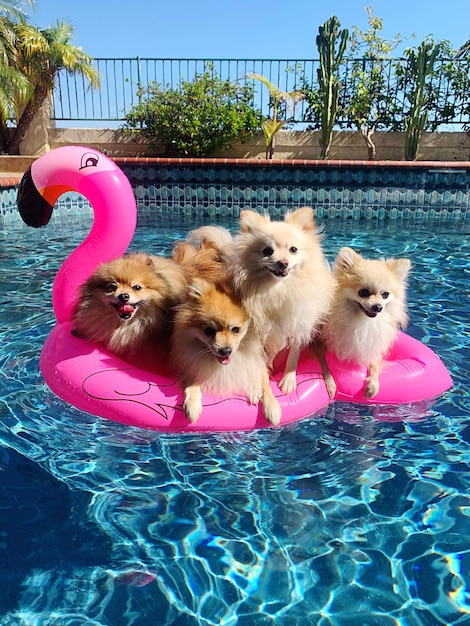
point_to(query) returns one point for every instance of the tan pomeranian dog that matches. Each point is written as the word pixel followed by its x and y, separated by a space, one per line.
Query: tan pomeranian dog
pixel 200 258
pixel 126 306
pixel 368 309
pixel 214 348
pixel 285 284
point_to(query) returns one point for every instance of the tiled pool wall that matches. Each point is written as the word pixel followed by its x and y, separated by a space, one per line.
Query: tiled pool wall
pixel 190 189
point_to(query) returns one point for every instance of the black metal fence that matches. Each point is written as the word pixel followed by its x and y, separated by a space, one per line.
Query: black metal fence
pixel 121 78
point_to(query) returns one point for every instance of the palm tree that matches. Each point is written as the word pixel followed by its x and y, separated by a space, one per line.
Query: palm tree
pixel 42 54
pixel 14 85
pixel 15 89
pixel 272 126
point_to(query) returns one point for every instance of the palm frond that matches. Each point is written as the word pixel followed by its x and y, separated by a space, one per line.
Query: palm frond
pixel 16 10
pixel 463 51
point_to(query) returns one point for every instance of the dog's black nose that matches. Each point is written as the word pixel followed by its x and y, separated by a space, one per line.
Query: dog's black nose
pixel 282 264
pixel 377 308
pixel 226 351
pixel 123 297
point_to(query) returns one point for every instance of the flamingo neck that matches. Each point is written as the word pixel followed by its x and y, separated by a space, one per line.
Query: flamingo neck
pixel 114 222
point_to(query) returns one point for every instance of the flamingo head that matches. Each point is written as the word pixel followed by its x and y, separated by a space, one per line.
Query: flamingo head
pixel 61 170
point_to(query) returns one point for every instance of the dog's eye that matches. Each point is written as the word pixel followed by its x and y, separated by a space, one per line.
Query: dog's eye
pixel 136 287
pixel 236 330
pixel 111 288
pixel 363 293
pixel 210 332
pixel 293 250
pixel 268 251
pixel 385 294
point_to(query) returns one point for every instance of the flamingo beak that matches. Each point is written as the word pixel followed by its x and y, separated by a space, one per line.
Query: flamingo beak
pixel 34 208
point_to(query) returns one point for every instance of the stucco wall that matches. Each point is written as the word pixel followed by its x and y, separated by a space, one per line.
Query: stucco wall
pixel 449 146
pixel 438 146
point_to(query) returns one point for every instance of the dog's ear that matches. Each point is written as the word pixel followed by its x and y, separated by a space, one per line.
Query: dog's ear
pixel 250 220
pixel 347 258
pixel 302 218
pixel 400 267
pixel 197 288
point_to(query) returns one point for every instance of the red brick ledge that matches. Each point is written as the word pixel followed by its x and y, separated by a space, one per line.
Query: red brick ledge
pixel 291 162
pixel 9 180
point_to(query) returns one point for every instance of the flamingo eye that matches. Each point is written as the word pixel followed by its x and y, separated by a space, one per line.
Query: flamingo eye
pixel 268 251
pixel 89 159
pixel 363 293
pixel 111 288
pixel 209 331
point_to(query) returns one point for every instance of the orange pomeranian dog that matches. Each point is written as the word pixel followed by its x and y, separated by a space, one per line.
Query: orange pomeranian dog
pixel 214 348
pixel 126 306
pixel 368 309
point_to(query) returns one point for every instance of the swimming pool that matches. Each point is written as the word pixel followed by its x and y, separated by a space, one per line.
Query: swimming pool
pixel 357 515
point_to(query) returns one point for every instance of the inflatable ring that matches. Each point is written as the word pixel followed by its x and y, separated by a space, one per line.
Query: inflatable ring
pixel 97 382
pixel 86 375
pixel 411 372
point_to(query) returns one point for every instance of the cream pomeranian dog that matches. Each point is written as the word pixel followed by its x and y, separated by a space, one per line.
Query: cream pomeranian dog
pixel 284 281
pixel 126 305
pixel 368 309
pixel 214 348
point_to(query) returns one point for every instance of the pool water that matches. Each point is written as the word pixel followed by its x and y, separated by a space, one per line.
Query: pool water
pixel 357 515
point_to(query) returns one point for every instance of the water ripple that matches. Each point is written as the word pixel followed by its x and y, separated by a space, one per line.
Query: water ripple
pixel 359 515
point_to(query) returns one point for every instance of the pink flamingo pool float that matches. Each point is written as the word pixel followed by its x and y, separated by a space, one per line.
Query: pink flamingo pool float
pixel 88 377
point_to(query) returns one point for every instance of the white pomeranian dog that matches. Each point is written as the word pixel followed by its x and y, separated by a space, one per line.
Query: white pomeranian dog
pixel 368 309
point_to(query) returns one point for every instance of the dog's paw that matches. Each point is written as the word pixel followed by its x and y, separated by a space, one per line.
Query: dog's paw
pixel 192 404
pixel 192 411
pixel 272 411
pixel 254 396
pixel 330 387
pixel 371 388
pixel 288 382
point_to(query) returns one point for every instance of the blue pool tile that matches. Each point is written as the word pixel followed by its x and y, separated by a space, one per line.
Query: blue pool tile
pixel 337 193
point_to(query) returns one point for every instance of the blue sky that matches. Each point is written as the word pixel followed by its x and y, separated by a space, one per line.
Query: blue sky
pixel 241 28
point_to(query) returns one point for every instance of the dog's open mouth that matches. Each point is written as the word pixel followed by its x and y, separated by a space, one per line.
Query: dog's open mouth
pixel 223 359
pixel 368 312
pixel 125 311
pixel 280 273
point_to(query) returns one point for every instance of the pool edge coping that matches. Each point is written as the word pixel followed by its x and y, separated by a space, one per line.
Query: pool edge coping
pixel 13 179
pixel 220 161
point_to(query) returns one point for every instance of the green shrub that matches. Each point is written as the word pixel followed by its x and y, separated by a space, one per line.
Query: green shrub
pixel 196 119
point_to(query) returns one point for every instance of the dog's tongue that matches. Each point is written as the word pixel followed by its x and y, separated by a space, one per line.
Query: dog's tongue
pixel 224 360
pixel 125 309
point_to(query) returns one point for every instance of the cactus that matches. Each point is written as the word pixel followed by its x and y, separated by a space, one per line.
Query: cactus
pixel 421 66
pixel 328 79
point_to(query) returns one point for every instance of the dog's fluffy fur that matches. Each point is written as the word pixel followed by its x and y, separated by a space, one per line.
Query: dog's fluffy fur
pixel 284 282
pixel 201 258
pixel 368 309
pixel 214 348
pixel 126 305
